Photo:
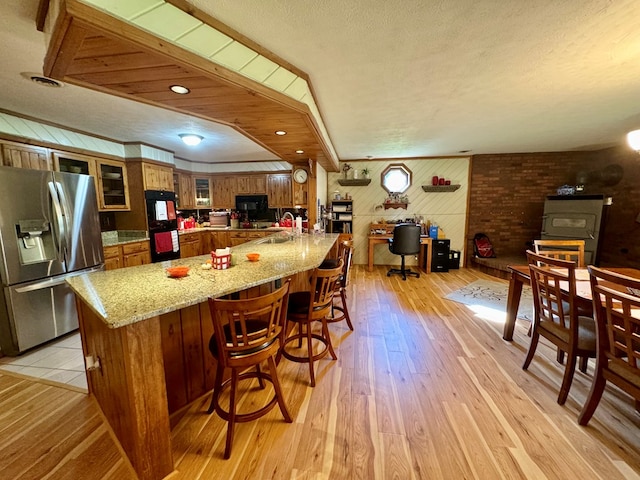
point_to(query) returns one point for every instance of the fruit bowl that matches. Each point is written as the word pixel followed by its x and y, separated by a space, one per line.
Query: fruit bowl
pixel 253 257
pixel 177 272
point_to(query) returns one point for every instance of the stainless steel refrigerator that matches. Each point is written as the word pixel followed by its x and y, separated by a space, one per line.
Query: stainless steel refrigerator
pixel 49 231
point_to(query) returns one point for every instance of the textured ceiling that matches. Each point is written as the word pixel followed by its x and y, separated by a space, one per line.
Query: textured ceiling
pixel 395 78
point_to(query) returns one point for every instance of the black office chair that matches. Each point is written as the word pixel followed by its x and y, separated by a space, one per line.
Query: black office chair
pixel 405 241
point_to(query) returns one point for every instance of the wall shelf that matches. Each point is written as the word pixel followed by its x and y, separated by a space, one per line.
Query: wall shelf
pixel 354 182
pixel 440 188
pixel 395 205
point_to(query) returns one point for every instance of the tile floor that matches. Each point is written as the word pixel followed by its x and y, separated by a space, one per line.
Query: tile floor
pixel 59 361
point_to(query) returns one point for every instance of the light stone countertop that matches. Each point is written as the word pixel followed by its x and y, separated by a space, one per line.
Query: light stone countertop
pixel 128 295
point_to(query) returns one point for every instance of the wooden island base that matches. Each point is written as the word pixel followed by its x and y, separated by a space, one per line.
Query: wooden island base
pixel 150 369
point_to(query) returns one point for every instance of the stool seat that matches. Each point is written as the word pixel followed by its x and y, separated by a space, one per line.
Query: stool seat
pixel 306 308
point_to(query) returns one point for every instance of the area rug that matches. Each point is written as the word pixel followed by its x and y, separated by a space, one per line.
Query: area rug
pixel 486 294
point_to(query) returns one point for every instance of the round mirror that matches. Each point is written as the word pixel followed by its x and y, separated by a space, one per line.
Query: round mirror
pixel 396 178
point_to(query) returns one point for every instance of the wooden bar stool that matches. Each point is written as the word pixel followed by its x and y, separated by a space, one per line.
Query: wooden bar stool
pixel 345 253
pixel 246 333
pixel 308 307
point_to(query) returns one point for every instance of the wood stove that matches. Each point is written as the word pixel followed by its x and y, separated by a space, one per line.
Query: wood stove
pixel 579 217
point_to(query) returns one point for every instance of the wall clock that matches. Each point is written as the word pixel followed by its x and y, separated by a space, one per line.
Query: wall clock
pixel 300 175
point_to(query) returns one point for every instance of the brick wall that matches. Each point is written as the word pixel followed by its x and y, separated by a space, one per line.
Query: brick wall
pixel 507 196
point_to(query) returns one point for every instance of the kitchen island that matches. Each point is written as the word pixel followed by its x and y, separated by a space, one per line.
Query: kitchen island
pixel 145 335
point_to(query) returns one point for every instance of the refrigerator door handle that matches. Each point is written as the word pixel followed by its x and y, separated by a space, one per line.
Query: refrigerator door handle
pixel 52 282
pixel 60 238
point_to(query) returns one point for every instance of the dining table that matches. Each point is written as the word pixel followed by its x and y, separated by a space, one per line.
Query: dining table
pixel 520 276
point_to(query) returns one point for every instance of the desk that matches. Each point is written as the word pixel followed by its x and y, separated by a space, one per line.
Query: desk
pixel 425 243
pixel 520 276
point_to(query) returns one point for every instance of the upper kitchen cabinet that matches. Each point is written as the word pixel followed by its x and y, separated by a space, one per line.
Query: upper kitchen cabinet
pixel 25 156
pixel 202 191
pixel 186 193
pixel 224 191
pixel 113 189
pixel 110 177
pixel 70 162
pixel 251 184
pixel 157 177
pixel 279 190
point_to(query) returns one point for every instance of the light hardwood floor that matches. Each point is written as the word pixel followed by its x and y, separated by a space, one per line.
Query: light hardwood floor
pixel 422 389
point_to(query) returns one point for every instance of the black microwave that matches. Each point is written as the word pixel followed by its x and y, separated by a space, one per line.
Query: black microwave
pixel 252 204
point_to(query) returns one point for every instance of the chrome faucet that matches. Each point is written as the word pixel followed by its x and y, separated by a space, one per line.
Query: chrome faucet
pixel 293 221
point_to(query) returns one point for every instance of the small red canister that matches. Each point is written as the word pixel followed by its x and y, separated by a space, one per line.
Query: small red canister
pixel 441 181
pixel 434 180
pixel 448 182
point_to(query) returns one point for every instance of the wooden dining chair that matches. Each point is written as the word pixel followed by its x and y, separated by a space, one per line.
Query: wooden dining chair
pixel 556 316
pixel 562 249
pixel 246 333
pixel 616 305
pixel 307 308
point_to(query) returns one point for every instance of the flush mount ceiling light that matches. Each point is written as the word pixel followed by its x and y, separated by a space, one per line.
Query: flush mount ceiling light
pixel 633 139
pixel 191 139
pixel 179 89
pixel 280 132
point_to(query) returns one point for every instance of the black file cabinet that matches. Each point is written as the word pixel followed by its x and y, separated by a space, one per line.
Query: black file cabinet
pixel 440 255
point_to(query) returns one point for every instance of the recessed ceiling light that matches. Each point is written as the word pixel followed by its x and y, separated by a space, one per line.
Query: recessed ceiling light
pixel 464 151
pixel 42 80
pixel 280 132
pixel 179 89
pixel 299 152
pixel 369 157
pixel 191 139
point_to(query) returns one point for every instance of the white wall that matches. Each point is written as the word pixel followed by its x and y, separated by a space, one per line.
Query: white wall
pixel 446 209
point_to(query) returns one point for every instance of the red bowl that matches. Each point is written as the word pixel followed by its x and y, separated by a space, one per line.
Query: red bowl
pixel 177 272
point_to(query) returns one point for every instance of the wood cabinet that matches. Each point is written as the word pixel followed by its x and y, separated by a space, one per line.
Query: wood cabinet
pixel 157 177
pixel 137 253
pixel 185 193
pixel 219 239
pixel 279 190
pixel 112 188
pixel 190 245
pixel 127 255
pixel 224 191
pixel 112 257
pixel 238 237
pixel 25 156
pixel 202 188
pixel 251 184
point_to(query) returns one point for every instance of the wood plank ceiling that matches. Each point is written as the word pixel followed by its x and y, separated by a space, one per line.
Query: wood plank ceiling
pixel 92 49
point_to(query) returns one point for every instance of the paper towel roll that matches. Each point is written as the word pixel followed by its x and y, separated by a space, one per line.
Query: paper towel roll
pixel 298 225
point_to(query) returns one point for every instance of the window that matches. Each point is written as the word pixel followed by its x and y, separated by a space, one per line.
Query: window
pixel 396 178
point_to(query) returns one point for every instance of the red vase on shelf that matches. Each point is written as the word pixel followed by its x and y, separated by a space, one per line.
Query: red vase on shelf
pixel 434 180
pixel 441 181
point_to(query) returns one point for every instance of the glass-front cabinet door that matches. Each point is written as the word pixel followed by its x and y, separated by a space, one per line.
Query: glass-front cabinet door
pixel 113 190
pixel 72 163
pixel 203 192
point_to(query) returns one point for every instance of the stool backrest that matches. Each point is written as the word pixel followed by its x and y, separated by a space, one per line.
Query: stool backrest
pixel 325 281
pixel 242 327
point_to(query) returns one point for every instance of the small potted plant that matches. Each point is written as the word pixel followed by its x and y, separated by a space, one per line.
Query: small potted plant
pixel 365 172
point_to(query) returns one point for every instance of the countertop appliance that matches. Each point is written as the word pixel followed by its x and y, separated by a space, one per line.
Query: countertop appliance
pixel 576 217
pixel 49 231
pixel 163 225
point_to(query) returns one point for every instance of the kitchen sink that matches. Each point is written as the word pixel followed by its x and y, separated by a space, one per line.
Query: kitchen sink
pixel 277 239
